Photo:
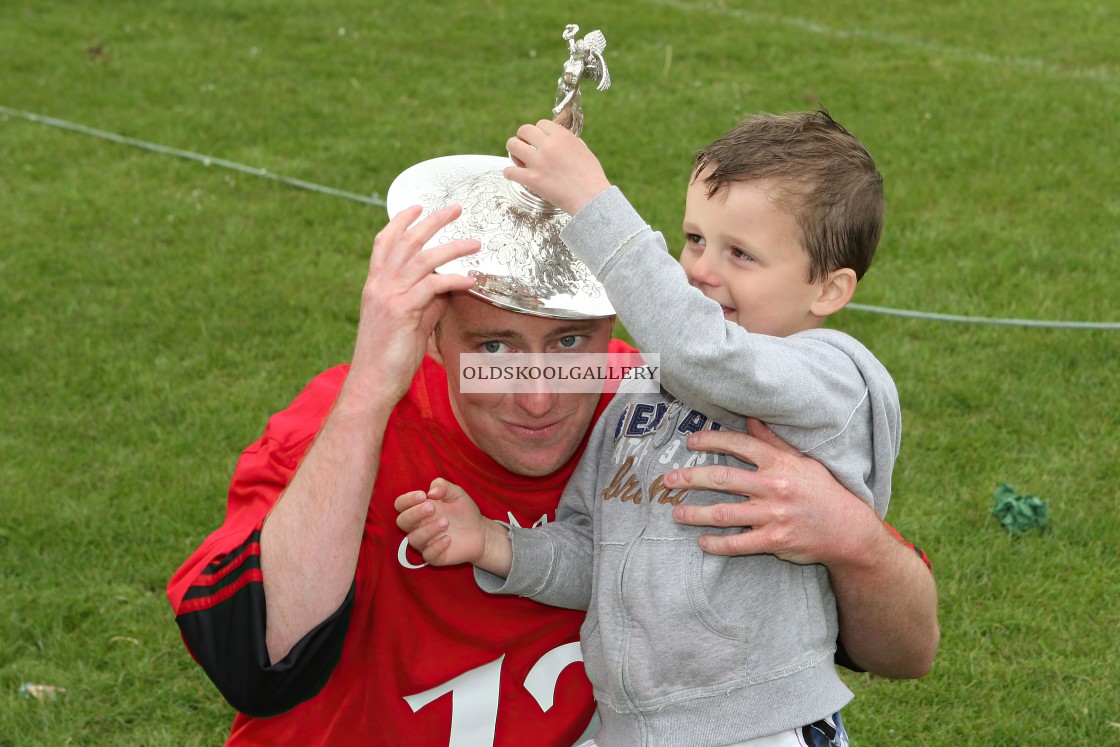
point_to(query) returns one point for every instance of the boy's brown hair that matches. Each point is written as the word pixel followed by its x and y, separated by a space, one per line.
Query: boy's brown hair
pixel 828 182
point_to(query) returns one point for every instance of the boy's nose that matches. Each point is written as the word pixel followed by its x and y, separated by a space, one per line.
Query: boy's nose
pixel 703 270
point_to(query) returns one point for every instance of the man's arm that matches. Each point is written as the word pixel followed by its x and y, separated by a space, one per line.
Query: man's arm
pixel 886 597
pixel 309 542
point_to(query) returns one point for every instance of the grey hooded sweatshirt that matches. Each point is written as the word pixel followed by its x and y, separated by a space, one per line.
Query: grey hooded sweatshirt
pixel 685 648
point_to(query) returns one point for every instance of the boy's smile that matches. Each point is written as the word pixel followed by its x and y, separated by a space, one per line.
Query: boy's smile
pixel 743 250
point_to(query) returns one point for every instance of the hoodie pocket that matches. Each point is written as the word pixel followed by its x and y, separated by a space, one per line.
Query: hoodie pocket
pixel 678 645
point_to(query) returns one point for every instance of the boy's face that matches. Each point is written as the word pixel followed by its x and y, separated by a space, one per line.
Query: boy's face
pixel 527 433
pixel 743 250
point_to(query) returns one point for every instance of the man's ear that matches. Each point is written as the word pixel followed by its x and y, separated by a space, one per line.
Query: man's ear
pixel 836 291
pixel 433 346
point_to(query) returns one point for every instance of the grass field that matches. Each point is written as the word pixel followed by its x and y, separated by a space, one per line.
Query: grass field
pixel 155 310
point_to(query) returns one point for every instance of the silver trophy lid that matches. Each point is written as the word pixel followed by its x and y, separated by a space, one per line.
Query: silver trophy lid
pixel 522 265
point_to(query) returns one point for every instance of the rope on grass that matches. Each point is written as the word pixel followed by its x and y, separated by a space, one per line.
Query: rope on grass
pixel 983 319
pixel 380 202
pixel 189 155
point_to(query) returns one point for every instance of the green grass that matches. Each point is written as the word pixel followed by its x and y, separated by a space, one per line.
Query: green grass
pixel 156 311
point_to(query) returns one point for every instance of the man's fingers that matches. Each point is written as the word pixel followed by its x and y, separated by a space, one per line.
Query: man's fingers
pixel 743 514
pixel 715 477
pixel 762 432
pixel 404 236
pixel 745 447
pixel 744 543
pixel 391 234
pixel 437 256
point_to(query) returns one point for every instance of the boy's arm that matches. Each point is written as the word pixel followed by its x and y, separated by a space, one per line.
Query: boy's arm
pixel 554 563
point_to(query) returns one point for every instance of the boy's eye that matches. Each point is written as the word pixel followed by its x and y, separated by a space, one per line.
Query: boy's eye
pixel 738 253
pixel 493 346
pixel 695 238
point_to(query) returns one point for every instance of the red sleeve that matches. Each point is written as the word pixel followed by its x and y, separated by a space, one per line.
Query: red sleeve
pixel 911 545
pixel 218 594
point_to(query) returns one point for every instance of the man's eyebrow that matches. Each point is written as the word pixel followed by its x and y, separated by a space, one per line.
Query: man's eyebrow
pixel 577 327
pixel 493 334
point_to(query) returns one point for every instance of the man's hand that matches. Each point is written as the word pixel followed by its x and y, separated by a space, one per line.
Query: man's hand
pixel 797 510
pixel 402 300
pixel 886 598
pixel 555 164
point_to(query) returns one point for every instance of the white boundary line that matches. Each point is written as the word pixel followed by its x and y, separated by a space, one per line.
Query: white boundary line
pixel 929 315
pixel 192 156
pixel 1104 73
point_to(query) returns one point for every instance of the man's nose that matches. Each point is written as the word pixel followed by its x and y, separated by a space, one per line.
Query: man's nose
pixel 536 404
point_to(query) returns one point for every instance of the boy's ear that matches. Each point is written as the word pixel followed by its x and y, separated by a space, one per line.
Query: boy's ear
pixel 433 346
pixel 836 291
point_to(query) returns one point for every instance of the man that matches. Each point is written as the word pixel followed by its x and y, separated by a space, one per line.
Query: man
pixel 313 620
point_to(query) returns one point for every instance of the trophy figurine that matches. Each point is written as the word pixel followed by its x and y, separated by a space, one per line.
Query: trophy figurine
pixel 585 60
pixel 523 265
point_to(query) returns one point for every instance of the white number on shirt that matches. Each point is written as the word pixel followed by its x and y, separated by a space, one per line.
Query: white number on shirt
pixel 474 695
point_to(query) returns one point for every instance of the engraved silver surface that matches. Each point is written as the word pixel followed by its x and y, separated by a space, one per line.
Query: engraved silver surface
pixel 523 265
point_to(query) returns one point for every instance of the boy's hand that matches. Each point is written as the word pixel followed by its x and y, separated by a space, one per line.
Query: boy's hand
pixel 445 526
pixel 556 165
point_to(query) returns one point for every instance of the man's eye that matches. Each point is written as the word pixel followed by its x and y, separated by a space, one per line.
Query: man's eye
pixel 569 342
pixel 493 346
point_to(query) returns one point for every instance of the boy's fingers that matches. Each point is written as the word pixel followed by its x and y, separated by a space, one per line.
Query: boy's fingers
pixel 407 500
pixel 434 553
pixel 422 537
pixel 532 134
pixel 549 127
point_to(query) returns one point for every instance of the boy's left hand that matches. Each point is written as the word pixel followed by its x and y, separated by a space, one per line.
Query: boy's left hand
pixel 556 165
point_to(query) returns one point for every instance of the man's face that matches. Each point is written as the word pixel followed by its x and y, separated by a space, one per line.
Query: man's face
pixel 527 433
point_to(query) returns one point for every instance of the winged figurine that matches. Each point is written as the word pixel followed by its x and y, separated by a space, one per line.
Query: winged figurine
pixel 585 61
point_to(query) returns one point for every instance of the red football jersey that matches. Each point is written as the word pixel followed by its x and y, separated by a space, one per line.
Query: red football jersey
pixel 428 658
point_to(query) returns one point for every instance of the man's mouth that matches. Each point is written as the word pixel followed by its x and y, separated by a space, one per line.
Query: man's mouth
pixel 536 431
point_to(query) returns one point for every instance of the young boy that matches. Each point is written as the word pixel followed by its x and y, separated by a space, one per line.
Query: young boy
pixel 782 217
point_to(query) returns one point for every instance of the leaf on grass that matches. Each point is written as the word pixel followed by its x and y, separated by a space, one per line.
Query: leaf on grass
pixel 1020 513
